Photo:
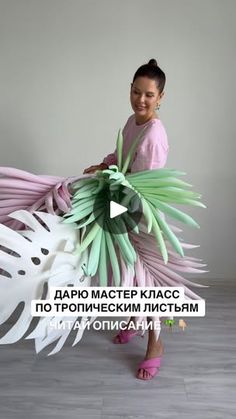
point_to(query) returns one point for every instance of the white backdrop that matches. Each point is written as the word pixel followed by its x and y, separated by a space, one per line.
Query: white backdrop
pixel 65 73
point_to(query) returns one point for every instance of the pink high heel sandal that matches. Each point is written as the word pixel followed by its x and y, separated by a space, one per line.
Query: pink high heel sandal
pixel 126 335
pixel 152 366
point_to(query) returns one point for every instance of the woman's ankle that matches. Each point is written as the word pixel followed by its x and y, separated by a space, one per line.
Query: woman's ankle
pixel 155 345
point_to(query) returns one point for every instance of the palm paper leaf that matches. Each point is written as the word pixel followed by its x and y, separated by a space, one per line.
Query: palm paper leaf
pixel 22 190
pixel 155 188
pixel 150 269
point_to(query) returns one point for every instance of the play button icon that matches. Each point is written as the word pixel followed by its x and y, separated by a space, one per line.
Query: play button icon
pixel 116 209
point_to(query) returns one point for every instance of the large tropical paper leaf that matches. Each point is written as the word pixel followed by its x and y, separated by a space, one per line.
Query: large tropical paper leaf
pixel 29 259
pixel 23 190
pixel 154 190
pixel 150 269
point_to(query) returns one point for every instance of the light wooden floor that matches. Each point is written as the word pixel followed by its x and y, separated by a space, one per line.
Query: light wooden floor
pixel 96 380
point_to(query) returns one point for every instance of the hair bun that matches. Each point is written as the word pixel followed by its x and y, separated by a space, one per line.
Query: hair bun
pixel 152 62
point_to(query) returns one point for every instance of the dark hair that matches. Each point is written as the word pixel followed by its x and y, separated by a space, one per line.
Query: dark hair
pixel 153 72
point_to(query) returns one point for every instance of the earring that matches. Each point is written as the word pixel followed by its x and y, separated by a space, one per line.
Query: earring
pixel 158 106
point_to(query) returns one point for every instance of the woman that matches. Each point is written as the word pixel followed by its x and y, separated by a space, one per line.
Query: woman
pixel 23 193
pixel 146 93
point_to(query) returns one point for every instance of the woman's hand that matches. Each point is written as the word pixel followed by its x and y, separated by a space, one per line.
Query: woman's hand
pixel 93 169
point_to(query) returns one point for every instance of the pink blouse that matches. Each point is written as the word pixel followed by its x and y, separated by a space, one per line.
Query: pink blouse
pixel 152 150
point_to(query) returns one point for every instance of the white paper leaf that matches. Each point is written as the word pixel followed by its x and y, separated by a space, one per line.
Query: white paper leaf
pixel 42 253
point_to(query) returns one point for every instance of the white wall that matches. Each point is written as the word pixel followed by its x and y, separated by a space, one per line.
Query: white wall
pixel 66 68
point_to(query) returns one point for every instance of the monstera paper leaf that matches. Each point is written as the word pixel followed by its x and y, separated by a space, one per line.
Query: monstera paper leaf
pixel 44 253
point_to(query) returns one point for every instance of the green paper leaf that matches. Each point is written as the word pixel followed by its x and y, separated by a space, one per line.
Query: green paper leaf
pixel 132 150
pixel 119 147
pixel 103 262
pixel 113 258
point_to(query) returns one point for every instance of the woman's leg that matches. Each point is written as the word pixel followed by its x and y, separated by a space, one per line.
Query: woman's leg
pixel 154 347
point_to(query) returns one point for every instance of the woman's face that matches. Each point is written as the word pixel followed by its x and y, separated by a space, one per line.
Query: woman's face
pixel 144 98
